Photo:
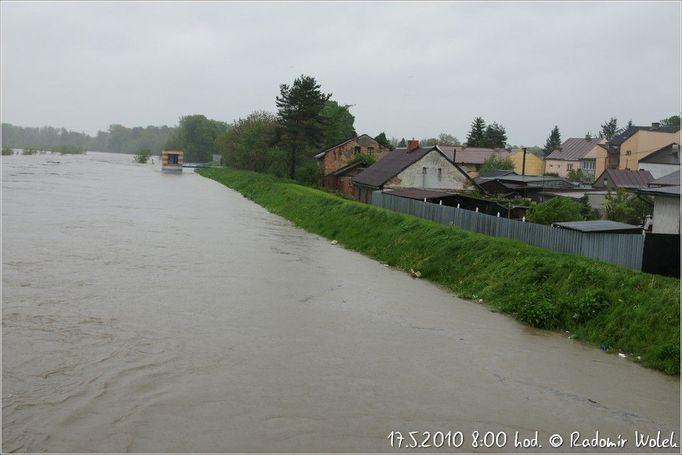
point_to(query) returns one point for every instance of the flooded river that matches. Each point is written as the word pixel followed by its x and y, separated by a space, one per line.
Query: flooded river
pixel 166 313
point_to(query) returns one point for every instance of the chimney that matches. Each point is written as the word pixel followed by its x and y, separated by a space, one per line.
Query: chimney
pixel 412 145
pixel 676 149
pixel 655 125
pixel 588 137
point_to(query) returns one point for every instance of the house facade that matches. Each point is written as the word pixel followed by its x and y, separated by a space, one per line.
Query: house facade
pixel 666 217
pixel 338 162
pixel 663 161
pixel 426 168
pixel 534 164
pixel 572 155
pixel 625 150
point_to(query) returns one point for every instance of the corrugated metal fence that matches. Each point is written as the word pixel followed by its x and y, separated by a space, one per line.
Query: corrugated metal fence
pixel 620 249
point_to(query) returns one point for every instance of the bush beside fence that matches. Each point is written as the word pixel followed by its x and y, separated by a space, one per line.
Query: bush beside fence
pixel 620 249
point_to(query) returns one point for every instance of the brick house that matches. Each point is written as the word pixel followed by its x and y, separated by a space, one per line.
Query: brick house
pixel 339 164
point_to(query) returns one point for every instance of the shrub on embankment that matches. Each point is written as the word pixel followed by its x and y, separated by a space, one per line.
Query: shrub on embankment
pixel 628 311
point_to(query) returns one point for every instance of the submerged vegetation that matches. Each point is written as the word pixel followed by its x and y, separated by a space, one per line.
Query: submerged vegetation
pixel 627 311
pixel 142 156
pixel 68 150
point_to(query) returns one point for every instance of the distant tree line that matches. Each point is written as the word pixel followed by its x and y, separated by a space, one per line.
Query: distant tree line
pixel 118 139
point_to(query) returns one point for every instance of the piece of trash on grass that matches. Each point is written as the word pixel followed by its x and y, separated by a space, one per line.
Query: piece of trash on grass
pixel 334 242
pixel 620 354
pixel 571 337
pixel 415 274
pixel 602 347
pixel 480 300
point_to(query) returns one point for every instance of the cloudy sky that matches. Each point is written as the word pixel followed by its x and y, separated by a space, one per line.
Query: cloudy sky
pixel 409 69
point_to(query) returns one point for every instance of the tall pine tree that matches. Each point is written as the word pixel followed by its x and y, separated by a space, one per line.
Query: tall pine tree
pixel 495 136
pixel 299 108
pixel 476 136
pixel 609 129
pixel 553 141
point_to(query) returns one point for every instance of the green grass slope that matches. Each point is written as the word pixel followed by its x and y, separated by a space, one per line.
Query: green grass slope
pixel 628 311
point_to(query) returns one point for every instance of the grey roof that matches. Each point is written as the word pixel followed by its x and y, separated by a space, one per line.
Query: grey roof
pixel 393 164
pixel 625 178
pixel 673 191
pixel 597 226
pixel 664 155
pixel 497 173
pixel 672 179
pixel 390 166
pixel 625 135
pixel 573 149
pixel 418 193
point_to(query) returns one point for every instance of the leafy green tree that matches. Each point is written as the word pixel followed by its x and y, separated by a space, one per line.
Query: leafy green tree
pixel 383 141
pixel 553 141
pixel 197 136
pixel 365 158
pixel 476 135
pixel 299 109
pixel 7 151
pixel 556 210
pixel 609 129
pixel 337 122
pixel 578 175
pixel 629 125
pixel 494 163
pixel 402 143
pixel 448 139
pixel 249 142
pixel 673 120
pixel 495 136
pixel 627 208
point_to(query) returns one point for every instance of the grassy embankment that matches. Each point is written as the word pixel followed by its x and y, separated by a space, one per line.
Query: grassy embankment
pixel 628 311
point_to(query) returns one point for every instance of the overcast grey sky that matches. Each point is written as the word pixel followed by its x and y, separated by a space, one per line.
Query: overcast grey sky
pixel 409 69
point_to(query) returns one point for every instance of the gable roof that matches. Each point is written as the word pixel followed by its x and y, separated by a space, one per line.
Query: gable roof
pixel 574 149
pixel 322 153
pixel 664 155
pixel 672 179
pixel 472 155
pixel 625 178
pixel 618 139
pixel 393 164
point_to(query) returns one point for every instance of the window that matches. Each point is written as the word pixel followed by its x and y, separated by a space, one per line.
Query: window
pixel 424 170
pixel 357 149
pixel 440 173
pixel 628 152
pixel 569 166
pixel 370 150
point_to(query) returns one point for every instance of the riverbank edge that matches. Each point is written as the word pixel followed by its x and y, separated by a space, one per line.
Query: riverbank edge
pixel 620 310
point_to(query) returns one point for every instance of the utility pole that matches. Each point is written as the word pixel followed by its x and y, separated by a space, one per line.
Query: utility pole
pixel 523 166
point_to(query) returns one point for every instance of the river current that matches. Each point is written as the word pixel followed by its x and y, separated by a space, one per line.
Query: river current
pixel 143 312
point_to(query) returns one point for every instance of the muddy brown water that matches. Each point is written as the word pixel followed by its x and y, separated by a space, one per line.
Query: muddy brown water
pixel 153 312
